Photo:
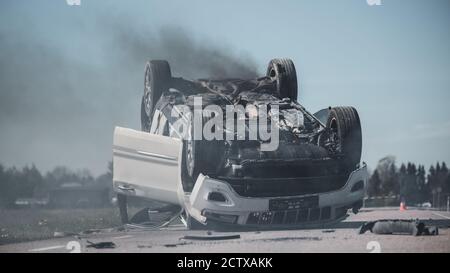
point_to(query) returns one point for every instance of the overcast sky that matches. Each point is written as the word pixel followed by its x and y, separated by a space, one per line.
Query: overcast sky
pixel 69 74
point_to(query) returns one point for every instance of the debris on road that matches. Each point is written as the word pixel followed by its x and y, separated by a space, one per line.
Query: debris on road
pixel 177 244
pixel 211 237
pixel 281 239
pixel 144 246
pixel 60 234
pixel 142 219
pixel 328 231
pixel 406 227
pixel 170 245
pixel 155 216
pixel 101 245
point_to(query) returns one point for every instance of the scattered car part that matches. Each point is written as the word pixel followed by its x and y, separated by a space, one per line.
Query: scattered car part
pixel 408 227
pixel 60 234
pixel 148 215
pixel 211 237
pixel 328 231
pixel 157 226
pixel 101 245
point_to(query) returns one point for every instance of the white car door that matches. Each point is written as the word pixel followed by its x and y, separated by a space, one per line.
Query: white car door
pixel 146 165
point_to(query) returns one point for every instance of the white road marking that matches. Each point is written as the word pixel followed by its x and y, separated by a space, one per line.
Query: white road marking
pixel 122 237
pixel 438 214
pixel 46 248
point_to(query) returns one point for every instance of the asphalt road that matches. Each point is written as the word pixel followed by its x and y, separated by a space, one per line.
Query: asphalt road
pixel 342 237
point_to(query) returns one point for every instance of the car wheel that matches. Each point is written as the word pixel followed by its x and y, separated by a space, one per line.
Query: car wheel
pixel 123 208
pixel 156 81
pixel 344 130
pixel 191 159
pixel 145 119
pixel 282 72
pixel 199 156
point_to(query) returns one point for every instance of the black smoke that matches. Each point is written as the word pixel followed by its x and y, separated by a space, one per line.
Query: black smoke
pixel 189 57
pixel 56 109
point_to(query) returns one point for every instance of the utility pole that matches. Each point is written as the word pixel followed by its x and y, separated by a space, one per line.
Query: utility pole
pixel 439 197
pixel 448 203
pixel 433 203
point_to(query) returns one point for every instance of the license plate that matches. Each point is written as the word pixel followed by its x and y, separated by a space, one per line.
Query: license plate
pixel 294 203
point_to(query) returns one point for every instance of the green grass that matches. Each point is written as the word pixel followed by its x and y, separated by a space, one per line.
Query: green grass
pixel 19 225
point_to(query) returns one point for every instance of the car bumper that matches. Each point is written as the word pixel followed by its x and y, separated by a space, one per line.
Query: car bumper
pixel 328 206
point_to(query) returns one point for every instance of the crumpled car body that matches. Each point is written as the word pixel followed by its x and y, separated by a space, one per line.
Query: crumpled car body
pixel 304 181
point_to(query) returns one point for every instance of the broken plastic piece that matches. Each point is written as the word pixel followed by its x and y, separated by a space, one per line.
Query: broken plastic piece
pixel 407 227
pixel 101 245
pixel 212 237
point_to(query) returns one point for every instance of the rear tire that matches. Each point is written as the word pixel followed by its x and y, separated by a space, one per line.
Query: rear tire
pixel 157 80
pixel 344 127
pixel 283 72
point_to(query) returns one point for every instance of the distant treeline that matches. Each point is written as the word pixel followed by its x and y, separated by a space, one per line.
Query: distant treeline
pixel 29 182
pixel 411 182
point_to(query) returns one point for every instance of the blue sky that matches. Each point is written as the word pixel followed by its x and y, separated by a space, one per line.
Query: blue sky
pixel 391 62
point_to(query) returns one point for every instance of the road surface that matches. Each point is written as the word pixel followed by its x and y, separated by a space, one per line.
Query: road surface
pixel 342 237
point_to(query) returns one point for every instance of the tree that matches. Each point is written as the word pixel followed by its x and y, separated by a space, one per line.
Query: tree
pixel 422 185
pixel 437 183
pixel 444 178
pixel 373 188
pixel 410 185
pixel 387 172
pixel 105 180
pixel 431 177
pixel 30 180
pixel 447 185
pixel 3 185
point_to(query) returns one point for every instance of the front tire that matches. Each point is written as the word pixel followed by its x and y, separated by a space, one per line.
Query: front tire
pixel 145 119
pixel 199 156
pixel 157 80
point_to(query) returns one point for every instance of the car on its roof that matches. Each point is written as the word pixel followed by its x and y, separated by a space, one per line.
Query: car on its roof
pixel 308 171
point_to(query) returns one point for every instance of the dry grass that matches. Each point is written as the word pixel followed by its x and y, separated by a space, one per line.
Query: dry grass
pixel 18 225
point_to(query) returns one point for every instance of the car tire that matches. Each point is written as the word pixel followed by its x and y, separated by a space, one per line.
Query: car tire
pixel 199 156
pixel 283 73
pixel 145 119
pixel 157 80
pixel 123 208
pixel 344 124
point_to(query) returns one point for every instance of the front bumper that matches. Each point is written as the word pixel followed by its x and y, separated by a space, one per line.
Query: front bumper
pixel 251 211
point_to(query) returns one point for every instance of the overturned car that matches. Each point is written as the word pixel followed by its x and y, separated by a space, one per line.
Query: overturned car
pixel 240 151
